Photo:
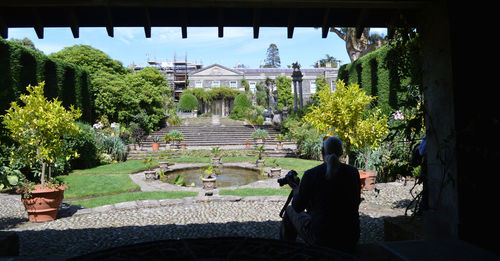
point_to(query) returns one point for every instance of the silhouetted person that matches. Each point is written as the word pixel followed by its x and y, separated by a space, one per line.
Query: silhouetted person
pixel 325 206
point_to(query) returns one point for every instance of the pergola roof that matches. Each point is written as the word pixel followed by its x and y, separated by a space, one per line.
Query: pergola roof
pixel 324 14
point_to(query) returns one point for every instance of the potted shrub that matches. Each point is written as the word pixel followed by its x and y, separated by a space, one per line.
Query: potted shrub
pixel 216 156
pixel 367 161
pixel 209 178
pixel 166 139
pixel 260 135
pixel 259 152
pixel 176 137
pixel 275 169
pixel 40 128
pixel 156 143
pixel 150 173
pixel 280 138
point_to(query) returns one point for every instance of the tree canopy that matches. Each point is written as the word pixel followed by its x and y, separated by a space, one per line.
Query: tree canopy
pixel 92 59
pixel 272 57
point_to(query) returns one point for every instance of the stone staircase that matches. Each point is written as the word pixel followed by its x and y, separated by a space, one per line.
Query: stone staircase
pixel 215 135
pixel 206 137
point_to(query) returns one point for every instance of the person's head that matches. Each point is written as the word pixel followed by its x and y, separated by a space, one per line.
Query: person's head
pixel 331 145
pixel 332 150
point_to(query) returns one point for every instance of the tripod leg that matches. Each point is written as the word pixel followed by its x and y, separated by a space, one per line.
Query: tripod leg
pixel 287 230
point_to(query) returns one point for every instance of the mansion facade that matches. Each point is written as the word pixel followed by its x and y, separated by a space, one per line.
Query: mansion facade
pixel 216 75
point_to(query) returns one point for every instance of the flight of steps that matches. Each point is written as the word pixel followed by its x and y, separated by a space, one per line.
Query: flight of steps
pixel 210 136
pixel 215 135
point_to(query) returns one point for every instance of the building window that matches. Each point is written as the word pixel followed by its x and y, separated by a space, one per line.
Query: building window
pixel 252 86
pixel 215 83
pixel 233 84
pixel 312 87
pixel 198 84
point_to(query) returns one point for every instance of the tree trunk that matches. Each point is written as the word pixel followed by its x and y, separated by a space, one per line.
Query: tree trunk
pixel 356 47
pixel 43 175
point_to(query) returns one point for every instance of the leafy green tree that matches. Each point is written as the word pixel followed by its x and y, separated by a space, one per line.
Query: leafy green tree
pixel 328 59
pixel 40 127
pixel 273 57
pixel 92 59
pixel 115 98
pixel 284 89
pixel 188 102
pixel 321 84
pixel 25 42
pixel 345 113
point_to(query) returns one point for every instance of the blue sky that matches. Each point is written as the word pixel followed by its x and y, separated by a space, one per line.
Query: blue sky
pixel 202 44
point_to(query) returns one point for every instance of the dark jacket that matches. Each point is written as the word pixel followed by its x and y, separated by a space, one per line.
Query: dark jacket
pixel 332 204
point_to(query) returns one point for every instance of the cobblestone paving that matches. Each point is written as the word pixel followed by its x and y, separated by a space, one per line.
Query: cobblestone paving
pixel 79 231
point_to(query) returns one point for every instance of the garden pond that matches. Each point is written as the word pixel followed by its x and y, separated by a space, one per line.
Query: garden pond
pixel 226 176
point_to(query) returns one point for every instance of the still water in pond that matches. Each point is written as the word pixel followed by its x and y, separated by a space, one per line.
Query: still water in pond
pixel 228 176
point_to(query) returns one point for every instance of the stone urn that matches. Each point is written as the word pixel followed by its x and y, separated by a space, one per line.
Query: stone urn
pixel 164 165
pixel 209 182
pixel 260 163
pixel 275 173
pixel 150 175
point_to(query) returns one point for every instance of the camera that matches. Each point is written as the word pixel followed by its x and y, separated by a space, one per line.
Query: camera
pixel 291 178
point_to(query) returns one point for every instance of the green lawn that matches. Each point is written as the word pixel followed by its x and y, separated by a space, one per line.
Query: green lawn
pixel 133 196
pixel 127 167
pixel 97 185
pixel 110 184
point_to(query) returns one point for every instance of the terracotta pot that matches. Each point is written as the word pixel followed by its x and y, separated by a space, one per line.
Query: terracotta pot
pixel 368 178
pixel 183 145
pixel 209 183
pixel 43 204
pixel 279 146
pixel 247 145
pixel 156 146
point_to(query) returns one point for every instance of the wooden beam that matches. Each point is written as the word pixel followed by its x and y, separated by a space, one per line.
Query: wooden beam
pixel 256 23
pixel 292 15
pixel 220 19
pixel 390 32
pixel 38 26
pixel 109 24
pixel 184 23
pixel 360 24
pixel 73 22
pixel 4 30
pixel 147 23
pixel 325 27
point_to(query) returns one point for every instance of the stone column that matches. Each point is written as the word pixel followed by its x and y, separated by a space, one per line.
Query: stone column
pixel 300 94
pixel 441 219
pixel 295 95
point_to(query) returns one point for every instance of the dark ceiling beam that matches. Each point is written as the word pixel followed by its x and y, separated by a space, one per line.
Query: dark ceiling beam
pixel 184 23
pixel 375 4
pixel 4 30
pixel 147 23
pixel 220 21
pixel 109 24
pixel 38 25
pixel 256 23
pixel 360 24
pixel 325 27
pixel 292 17
pixel 73 22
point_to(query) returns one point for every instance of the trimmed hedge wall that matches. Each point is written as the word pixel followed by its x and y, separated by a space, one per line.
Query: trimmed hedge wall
pixel 376 73
pixel 21 66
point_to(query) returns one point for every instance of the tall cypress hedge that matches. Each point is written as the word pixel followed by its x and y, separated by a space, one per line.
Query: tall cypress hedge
pixel 21 66
pixel 377 75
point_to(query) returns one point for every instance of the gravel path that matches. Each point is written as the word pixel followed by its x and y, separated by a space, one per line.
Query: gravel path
pixel 88 230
